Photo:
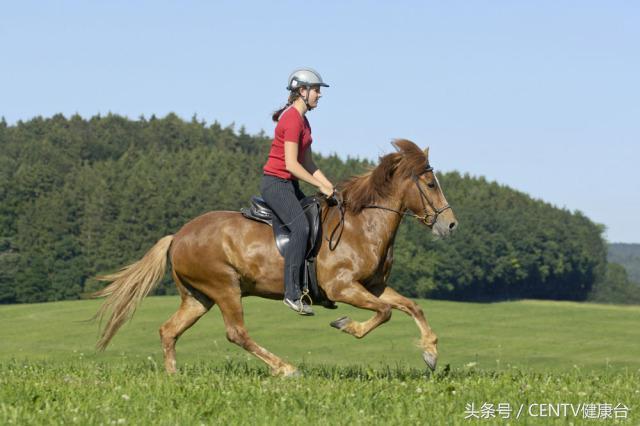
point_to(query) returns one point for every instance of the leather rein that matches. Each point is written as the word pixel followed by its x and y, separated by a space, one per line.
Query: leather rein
pixel 427 218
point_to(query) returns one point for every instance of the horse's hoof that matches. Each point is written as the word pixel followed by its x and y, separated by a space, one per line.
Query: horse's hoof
pixel 430 360
pixel 340 323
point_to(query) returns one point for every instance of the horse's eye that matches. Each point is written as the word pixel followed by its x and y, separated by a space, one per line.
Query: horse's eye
pixel 431 185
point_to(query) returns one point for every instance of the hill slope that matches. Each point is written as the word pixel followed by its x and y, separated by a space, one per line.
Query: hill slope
pixel 627 255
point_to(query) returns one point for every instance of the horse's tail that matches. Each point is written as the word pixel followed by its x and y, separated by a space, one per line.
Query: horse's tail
pixel 128 287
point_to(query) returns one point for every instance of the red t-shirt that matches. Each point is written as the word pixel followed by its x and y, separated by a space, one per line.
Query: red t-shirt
pixel 291 127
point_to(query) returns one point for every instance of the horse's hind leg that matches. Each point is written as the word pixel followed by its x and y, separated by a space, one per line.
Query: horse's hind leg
pixel 193 306
pixel 428 339
pixel 230 304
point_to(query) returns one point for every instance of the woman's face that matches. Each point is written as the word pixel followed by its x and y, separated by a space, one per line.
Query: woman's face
pixel 314 95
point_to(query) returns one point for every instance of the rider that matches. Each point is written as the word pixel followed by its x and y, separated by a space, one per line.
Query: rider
pixel 290 160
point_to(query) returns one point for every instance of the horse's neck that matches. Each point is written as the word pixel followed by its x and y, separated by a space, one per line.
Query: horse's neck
pixel 384 223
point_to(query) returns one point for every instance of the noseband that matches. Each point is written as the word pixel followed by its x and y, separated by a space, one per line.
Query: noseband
pixel 427 218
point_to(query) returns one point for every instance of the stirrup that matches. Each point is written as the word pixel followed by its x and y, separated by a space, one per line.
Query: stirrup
pixel 305 293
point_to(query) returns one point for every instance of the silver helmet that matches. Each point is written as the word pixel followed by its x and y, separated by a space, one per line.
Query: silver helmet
pixel 305 77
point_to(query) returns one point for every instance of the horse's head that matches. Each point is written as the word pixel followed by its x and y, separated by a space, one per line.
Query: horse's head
pixel 420 189
pixel 406 178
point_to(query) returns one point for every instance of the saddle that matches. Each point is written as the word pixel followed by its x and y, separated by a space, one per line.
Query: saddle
pixel 260 211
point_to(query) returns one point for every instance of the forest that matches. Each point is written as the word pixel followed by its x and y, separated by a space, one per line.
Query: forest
pixel 85 196
pixel 627 255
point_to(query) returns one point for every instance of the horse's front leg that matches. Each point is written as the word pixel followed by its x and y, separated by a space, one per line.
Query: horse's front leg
pixel 428 339
pixel 353 293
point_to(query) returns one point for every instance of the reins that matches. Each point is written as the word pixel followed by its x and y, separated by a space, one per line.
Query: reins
pixel 427 218
pixel 340 207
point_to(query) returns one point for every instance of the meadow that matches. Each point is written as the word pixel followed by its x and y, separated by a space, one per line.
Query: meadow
pixel 499 363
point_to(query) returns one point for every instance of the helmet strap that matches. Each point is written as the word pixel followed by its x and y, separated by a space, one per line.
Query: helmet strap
pixel 305 98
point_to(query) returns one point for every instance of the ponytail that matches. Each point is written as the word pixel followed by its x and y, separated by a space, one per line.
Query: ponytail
pixel 292 97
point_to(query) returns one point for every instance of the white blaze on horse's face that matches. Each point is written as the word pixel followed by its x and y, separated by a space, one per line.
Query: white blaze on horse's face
pixel 446 221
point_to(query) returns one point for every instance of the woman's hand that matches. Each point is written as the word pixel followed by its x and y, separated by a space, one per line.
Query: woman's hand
pixel 326 190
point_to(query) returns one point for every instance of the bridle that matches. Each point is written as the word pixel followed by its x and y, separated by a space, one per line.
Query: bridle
pixel 427 218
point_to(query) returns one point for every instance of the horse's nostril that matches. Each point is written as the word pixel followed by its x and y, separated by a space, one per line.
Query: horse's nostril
pixel 452 225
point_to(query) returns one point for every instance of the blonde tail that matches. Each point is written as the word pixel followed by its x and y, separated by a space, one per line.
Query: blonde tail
pixel 128 287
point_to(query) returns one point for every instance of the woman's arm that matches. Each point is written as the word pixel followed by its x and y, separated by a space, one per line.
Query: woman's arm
pixel 313 169
pixel 298 170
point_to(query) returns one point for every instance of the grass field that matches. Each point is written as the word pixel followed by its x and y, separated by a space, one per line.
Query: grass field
pixel 517 353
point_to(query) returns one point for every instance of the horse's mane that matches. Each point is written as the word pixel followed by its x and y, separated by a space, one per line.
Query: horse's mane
pixel 377 183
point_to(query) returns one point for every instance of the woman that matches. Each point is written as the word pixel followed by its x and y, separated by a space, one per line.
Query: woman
pixel 290 160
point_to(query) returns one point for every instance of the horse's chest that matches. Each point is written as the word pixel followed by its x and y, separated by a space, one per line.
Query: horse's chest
pixel 380 273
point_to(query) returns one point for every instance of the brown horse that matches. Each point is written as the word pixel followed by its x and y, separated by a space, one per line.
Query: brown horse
pixel 220 257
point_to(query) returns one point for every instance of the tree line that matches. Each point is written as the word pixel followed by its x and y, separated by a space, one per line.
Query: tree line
pixel 80 197
pixel 627 255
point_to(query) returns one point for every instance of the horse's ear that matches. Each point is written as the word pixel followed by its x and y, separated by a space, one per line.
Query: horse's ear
pixel 405 146
pixel 426 153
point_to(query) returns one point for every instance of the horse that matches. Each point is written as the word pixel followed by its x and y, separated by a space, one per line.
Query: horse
pixel 220 257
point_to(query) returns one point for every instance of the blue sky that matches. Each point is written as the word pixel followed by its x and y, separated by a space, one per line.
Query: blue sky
pixel 542 96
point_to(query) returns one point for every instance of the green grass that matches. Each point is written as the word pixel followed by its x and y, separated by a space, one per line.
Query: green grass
pixel 536 334
pixel 513 352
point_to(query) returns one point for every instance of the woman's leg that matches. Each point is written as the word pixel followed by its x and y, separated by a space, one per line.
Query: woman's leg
pixel 281 196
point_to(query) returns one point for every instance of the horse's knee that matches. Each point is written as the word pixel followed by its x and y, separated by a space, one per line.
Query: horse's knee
pixel 237 336
pixel 167 337
pixel 385 312
pixel 415 309
pixel 410 307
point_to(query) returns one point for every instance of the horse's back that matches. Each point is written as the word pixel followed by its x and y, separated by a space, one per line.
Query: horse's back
pixel 219 241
